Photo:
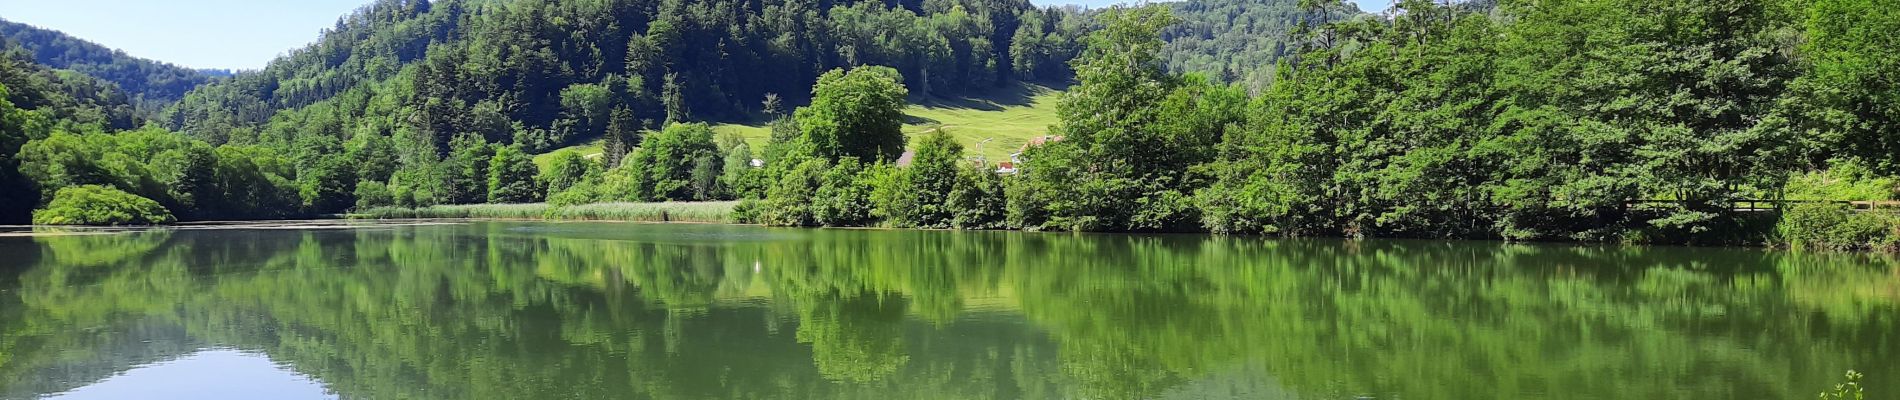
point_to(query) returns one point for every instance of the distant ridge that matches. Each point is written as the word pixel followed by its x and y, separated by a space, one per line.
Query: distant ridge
pixel 150 84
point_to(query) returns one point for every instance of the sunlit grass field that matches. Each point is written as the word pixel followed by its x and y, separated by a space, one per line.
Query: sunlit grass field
pixel 1007 118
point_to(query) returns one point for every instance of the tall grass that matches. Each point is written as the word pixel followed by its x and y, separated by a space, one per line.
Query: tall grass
pixel 712 212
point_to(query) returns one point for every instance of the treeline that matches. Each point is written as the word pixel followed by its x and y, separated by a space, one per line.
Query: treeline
pixel 70 98
pixel 1603 120
pixel 544 73
pixel 151 85
pixel 417 103
pixel 414 102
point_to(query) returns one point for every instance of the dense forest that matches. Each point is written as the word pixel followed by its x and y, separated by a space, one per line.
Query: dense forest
pixel 542 74
pixel 150 85
pixel 414 100
pixel 1241 41
pixel 1604 120
pixel 1598 120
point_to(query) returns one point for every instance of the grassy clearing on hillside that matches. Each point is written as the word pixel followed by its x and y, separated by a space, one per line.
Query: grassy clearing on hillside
pixel 589 149
pixel 1008 117
pixel 717 212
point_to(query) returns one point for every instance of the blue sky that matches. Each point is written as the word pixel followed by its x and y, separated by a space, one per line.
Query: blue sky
pixel 236 34
pixel 230 34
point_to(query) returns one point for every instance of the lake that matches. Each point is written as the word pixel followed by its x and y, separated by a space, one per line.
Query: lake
pixel 520 310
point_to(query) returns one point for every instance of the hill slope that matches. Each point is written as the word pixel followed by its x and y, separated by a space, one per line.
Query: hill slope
pixel 1007 118
pixel 151 84
pixel 544 73
pixel 1238 41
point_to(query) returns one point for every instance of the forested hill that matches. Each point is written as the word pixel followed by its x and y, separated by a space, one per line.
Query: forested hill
pixel 542 73
pixel 71 98
pixel 150 84
pixel 1239 41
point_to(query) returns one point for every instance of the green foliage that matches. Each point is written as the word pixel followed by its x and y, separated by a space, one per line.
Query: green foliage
pixel 1241 42
pixel 373 194
pixel 1129 134
pixel 568 168
pixel 151 84
pixel 66 99
pixel 709 212
pixel 467 170
pixel 1849 97
pixel 329 186
pixel 184 175
pixel 1844 180
pixel 676 163
pixel 550 70
pixel 511 177
pixel 739 176
pixel 855 114
pixel 790 200
pixel 100 205
pixel 17 195
pixel 977 200
pixel 920 197
pixel 843 197
pixel 747 211
pixel 1838 226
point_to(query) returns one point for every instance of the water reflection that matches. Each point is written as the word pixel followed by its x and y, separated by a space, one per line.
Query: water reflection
pixel 210 374
pixel 519 310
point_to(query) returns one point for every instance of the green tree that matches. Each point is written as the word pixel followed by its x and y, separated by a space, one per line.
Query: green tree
pixel 372 194
pixel 923 201
pixel 467 170
pixel 590 105
pixel 843 197
pixel 855 114
pixel 671 156
pixel 790 201
pixel 977 201
pixel 739 176
pixel 17 195
pixel 511 177
pixel 1128 137
pixel 566 169
pixel 1849 96
pixel 329 186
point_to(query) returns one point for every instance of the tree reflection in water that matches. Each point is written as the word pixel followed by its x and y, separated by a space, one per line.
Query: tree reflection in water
pixel 530 310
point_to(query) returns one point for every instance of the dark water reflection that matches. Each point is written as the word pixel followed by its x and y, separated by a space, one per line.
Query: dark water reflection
pixel 532 310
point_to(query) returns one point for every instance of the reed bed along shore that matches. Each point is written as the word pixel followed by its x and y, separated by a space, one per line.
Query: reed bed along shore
pixel 711 212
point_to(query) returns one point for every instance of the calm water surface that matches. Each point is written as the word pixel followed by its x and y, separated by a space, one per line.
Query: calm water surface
pixel 635 311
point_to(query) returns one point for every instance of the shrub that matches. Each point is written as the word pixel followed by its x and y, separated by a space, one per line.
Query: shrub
pixel 100 205
pixel 789 203
pixel 844 195
pixel 372 194
pixel 582 193
pixel 747 211
pixel 976 202
pixel 1836 226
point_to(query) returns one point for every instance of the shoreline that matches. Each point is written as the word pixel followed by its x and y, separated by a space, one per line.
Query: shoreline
pixel 358 221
